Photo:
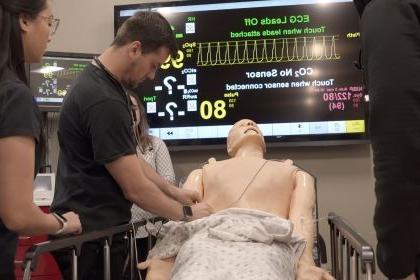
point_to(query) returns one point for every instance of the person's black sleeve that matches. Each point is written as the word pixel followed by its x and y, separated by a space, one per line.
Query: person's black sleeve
pixel 109 125
pixel 19 114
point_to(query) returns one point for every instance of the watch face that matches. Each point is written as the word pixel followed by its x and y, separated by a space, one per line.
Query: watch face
pixel 187 211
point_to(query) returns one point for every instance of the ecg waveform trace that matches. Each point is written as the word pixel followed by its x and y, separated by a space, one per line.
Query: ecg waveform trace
pixel 267 50
pixel 67 74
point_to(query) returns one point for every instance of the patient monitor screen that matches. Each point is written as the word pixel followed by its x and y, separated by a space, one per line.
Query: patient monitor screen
pixel 52 79
pixel 288 65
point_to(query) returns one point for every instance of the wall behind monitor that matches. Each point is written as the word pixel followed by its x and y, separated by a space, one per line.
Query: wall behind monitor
pixel 345 178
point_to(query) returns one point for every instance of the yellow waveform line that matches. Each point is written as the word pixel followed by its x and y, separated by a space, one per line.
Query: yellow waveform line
pixel 257 51
pixel 66 74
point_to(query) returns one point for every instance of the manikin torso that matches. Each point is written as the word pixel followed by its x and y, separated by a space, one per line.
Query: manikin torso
pixel 225 181
pixel 279 188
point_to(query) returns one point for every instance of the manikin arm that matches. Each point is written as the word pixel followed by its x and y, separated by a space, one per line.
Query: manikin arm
pixel 301 214
pixel 157 269
pixel 195 182
pixel 301 211
pixel 161 269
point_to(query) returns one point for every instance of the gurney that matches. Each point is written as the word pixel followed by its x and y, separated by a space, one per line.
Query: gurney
pixel 351 256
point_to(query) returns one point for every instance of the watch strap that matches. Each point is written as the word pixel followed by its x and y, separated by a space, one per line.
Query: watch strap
pixel 62 220
pixel 188 213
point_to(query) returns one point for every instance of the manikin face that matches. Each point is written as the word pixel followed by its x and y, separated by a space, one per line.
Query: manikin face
pixel 143 65
pixel 244 132
pixel 37 33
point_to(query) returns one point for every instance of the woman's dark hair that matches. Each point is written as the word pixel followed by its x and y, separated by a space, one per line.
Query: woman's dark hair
pixel 11 48
pixel 149 28
pixel 141 132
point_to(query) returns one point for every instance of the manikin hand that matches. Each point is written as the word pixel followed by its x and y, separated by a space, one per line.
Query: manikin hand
pixel 157 269
pixel 312 272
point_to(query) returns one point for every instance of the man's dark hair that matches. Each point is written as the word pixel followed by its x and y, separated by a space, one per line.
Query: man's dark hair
pixel 151 29
pixel 11 47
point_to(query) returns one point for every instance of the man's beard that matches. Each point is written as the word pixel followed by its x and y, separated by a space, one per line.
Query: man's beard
pixel 130 84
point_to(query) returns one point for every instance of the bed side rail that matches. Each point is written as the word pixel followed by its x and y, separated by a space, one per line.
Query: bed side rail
pixel 75 244
pixel 349 251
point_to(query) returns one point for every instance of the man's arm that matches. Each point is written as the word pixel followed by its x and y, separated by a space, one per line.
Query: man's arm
pixel 112 144
pixel 301 214
pixel 184 196
pixel 161 269
pixel 137 187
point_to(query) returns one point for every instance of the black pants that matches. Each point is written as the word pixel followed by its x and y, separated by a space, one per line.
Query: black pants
pixel 417 269
pixel 390 33
pixel 91 260
pixel 9 276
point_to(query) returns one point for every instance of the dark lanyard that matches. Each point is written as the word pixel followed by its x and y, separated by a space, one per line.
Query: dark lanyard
pixel 114 80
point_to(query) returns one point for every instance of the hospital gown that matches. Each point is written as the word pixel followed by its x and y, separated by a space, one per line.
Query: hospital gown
pixel 231 244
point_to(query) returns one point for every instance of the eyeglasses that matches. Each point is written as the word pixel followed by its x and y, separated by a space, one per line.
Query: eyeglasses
pixel 52 23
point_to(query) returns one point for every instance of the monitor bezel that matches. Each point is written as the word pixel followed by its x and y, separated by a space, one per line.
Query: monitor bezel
pixel 56 108
pixel 217 143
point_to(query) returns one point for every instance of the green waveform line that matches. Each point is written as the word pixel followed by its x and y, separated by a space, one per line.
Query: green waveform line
pixel 267 50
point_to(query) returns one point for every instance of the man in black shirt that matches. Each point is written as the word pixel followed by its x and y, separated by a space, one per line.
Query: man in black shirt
pixel 391 59
pixel 98 173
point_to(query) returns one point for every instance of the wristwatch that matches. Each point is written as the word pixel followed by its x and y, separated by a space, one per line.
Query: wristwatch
pixel 188 213
pixel 62 220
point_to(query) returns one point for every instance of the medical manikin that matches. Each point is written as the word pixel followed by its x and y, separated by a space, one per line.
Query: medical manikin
pixel 262 226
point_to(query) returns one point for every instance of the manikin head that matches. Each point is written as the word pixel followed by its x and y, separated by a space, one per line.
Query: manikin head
pixel 143 43
pixel 244 139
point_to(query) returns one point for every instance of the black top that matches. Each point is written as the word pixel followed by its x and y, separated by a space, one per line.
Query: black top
pixel 393 84
pixel 360 5
pixel 19 116
pixel 390 36
pixel 94 129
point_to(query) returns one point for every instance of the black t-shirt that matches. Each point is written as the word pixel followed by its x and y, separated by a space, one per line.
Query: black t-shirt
pixel 393 84
pixel 19 116
pixel 94 129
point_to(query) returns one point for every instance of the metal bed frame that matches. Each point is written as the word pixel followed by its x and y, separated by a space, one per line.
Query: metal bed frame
pixel 349 251
pixel 75 244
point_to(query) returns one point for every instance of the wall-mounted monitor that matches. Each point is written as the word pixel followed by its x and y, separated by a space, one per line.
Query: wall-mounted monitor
pixel 288 65
pixel 52 78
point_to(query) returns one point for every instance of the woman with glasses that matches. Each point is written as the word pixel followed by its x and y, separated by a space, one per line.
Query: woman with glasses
pixel 154 151
pixel 26 28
